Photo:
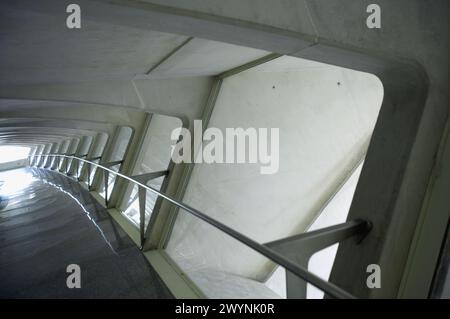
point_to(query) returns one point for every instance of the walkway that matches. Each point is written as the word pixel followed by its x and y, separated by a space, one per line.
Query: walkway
pixel 48 222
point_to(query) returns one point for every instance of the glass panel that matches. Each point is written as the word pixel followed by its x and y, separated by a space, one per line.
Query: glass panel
pixel 157 158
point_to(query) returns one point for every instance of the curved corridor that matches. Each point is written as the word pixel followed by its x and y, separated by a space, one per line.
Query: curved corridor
pixel 47 222
pixel 218 150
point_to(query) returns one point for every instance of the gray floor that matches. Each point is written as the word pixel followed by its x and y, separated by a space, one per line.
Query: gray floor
pixel 47 222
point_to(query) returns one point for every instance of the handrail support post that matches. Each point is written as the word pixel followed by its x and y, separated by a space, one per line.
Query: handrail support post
pixel 142 202
pixel 142 193
pixel 300 248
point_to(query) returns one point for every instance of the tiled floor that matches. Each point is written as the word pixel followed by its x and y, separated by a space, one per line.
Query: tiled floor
pixel 48 222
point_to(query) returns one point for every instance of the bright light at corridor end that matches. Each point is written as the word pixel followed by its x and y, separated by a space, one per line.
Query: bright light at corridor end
pixel 13 153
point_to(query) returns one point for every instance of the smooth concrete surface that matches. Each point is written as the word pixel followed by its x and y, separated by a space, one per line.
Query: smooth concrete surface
pixel 95 76
pixel 89 59
pixel 431 227
pixel 326 116
pixel 201 57
pixel 47 222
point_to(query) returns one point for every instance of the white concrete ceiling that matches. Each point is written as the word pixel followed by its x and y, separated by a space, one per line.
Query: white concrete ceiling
pixel 200 57
pixel 43 64
pixel 38 47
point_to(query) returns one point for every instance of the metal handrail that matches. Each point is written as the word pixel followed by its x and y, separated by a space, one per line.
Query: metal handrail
pixel 327 287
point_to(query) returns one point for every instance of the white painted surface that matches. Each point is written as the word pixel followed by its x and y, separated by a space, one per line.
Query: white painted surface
pixel 325 115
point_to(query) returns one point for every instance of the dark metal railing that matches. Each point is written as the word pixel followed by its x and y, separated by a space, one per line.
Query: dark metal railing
pixel 275 251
